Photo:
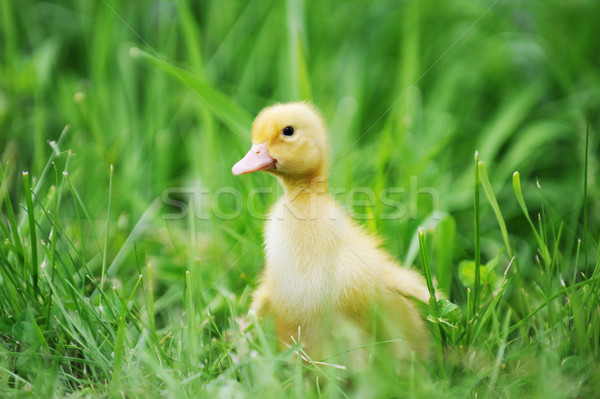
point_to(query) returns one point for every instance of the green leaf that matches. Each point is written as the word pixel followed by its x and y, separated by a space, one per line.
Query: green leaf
pixel 449 311
pixel 466 273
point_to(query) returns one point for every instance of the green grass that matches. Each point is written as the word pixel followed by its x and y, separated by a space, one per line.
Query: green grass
pixel 102 294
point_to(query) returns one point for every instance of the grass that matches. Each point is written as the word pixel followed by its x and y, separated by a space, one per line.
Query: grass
pixel 104 291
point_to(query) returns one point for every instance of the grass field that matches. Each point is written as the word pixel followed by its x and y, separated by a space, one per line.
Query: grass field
pixel 129 251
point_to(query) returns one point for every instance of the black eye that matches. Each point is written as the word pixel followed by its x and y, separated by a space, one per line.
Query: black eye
pixel 288 131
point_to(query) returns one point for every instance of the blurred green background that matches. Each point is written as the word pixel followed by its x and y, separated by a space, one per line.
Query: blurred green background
pixel 409 90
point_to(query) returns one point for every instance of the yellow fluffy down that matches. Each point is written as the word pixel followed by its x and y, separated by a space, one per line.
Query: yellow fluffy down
pixel 324 275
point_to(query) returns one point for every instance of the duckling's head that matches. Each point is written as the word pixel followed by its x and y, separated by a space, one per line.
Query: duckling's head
pixel 288 140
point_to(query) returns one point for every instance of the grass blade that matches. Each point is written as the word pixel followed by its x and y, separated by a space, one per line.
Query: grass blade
pixel 104 255
pixel 585 198
pixel 298 75
pixel 232 114
pixel 118 353
pixel 519 194
pixel 426 266
pixel 446 235
pixel 32 233
pixel 191 322
pixel 433 303
pixel 17 243
pixel 477 242
pixel 489 192
pixel 150 301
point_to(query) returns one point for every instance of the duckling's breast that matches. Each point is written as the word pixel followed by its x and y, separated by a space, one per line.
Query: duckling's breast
pixel 303 254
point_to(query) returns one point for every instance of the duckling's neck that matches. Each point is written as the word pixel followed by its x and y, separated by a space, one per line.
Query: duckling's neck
pixel 304 198
pixel 302 186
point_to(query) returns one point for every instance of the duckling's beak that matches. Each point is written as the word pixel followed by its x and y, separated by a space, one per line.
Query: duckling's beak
pixel 256 159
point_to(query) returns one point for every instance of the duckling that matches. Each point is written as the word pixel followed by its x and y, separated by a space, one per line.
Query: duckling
pixel 325 277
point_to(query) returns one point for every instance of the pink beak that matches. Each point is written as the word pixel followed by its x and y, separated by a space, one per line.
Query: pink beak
pixel 256 159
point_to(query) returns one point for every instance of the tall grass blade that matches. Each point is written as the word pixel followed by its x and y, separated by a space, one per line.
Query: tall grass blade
pixel 17 243
pixel 118 353
pixel 585 198
pixel 150 301
pixel 489 193
pixel 191 322
pixel 433 303
pixel 232 114
pixel 519 194
pixel 106 234
pixel 298 75
pixel 446 236
pixel 426 266
pixel 477 238
pixel 32 233
pixel 9 30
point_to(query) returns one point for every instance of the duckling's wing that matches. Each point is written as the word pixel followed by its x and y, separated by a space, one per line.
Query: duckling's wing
pixel 406 282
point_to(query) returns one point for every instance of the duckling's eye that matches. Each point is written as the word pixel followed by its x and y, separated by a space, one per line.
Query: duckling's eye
pixel 288 131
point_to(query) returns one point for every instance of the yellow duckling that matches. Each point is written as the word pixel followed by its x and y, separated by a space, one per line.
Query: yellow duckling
pixel 325 278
